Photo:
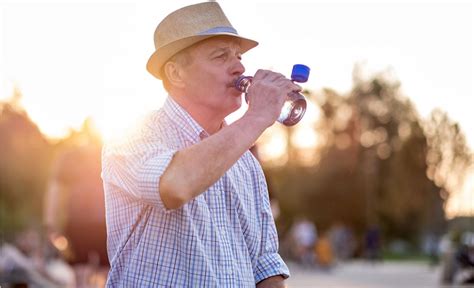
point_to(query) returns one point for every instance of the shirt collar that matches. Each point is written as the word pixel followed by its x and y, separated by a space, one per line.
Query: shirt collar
pixel 184 120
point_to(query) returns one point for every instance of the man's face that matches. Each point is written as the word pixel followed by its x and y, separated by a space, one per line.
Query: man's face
pixel 210 76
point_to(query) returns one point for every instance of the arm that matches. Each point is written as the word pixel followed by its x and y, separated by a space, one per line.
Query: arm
pixel 196 168
pixel 272 282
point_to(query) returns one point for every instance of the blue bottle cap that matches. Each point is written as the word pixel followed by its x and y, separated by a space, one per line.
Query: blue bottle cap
pixel 300 73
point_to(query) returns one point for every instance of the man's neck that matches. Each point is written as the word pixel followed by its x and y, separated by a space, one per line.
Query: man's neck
pixel 206 118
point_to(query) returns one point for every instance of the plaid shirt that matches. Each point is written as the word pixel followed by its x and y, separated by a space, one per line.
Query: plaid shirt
pixel 225 237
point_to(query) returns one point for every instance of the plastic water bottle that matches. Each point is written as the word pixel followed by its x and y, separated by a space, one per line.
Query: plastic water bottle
pixel 295 103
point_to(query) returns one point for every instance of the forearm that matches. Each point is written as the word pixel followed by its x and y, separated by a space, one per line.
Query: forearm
pixel 197 167
pixel 272 282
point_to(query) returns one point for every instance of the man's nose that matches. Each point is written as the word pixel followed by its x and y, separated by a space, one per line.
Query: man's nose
pixel 237 68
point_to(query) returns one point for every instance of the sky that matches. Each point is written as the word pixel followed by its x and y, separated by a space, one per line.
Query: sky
pixel 74 59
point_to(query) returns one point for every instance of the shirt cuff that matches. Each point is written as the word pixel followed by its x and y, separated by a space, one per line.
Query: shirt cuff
pixel 269 265
pixel 149 179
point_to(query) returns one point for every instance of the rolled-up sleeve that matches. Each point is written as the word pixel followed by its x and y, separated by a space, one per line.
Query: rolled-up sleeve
pixel 269 262
pixel 149 179
pixel 137 171
pixel 269 265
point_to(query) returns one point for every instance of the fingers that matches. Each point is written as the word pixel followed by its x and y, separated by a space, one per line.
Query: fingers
pixel 276 78
pixel 267 94
pixel 288 85
pixel 296 87
pixel 268 75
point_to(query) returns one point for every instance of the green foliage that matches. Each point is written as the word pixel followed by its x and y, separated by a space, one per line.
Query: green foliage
pixel 372 169
pixel 24 168
pixel 26 161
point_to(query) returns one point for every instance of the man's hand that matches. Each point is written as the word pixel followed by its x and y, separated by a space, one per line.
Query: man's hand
pixel 267 94
pixel 272 282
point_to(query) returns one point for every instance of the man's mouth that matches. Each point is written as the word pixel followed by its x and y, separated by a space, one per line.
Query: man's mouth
pixel 232 83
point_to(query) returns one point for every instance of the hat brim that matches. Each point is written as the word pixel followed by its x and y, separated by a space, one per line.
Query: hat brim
pixel 163 54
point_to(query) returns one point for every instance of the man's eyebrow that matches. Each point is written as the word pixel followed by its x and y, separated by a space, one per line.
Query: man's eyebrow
pixel 226 49
pixel 219 50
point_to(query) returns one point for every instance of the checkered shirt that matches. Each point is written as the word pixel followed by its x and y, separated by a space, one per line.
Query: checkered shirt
pixel 225 237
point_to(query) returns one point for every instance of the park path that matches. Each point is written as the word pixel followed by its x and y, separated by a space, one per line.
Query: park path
pixel 361 274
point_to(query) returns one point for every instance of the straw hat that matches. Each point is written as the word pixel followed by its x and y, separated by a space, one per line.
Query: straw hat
pixel 187 26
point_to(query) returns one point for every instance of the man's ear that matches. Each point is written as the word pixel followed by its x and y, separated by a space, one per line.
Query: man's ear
pixel 174 74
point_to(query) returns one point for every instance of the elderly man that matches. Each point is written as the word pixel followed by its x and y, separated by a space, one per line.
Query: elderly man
pixel 186 202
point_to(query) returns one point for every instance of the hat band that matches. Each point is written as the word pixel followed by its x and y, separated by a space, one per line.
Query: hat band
pixel 217 30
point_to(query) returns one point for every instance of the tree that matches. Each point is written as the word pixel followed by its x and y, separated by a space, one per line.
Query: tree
pixel 26 160
pixel 24 167
pixel 373 164
pixel 448 156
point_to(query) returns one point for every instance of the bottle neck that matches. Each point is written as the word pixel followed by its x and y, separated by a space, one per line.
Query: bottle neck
pixel 243 83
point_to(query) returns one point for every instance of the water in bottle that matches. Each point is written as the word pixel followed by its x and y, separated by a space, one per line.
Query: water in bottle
pixel 295 103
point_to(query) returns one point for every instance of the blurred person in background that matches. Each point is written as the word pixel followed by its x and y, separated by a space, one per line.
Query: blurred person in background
pixel 75 214
pixel 186 202
pixel 430 247
pixel 464 257
pixel 304 236
pixel 342 241
pixel 30 261
pixel 373 244
pixel 324 251
pixel 447 250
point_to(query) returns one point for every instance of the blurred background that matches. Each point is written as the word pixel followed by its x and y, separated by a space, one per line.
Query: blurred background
pixel 373 188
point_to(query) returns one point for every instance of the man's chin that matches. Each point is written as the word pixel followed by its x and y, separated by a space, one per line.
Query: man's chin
pixel 236 106
pixel 235 92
